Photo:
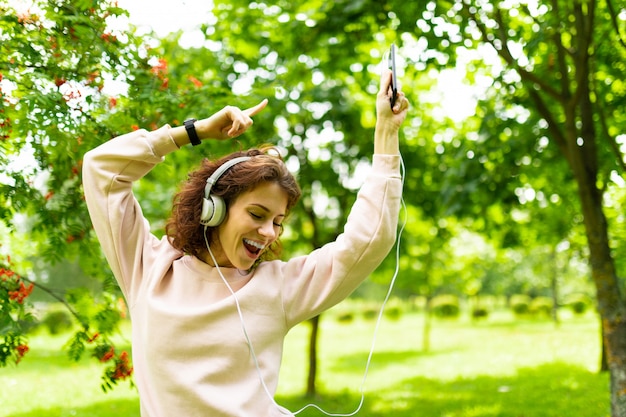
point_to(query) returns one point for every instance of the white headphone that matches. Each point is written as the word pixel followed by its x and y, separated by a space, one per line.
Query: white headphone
pixel 213 206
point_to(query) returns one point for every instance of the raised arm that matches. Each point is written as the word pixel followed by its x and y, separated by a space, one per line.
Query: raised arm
pixel 326 276
pixel 110 170
pixel 227 123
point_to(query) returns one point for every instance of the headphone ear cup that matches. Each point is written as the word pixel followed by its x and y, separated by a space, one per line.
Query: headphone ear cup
pixel 207 211
pixel 219 211
pixel 213 211
pixel 214 207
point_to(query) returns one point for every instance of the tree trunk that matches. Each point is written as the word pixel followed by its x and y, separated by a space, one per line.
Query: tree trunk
pixel 610 301
pixel 426 329
pixel 583 158
pixel 554 284
pixel 310 384
pixel 612 313
pixel 604 364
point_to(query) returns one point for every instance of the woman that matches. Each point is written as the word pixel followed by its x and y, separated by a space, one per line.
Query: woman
pixel 209 307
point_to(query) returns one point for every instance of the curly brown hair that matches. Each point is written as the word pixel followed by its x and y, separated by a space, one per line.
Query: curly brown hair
pixel 184 230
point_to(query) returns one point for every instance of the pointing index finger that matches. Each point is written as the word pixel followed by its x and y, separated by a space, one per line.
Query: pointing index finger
pixel 252 111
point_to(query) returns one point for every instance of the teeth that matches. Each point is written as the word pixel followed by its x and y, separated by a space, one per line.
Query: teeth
pixel 253 243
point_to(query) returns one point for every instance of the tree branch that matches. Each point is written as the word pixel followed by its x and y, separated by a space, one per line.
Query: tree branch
pixel 529 77
pixel 57 297
pixel 553 125
pixel 561 53
pixel 583 84
pixel 612 139
pixel 525 74
pixel 584 28
pixel 505 52
pixel 613 14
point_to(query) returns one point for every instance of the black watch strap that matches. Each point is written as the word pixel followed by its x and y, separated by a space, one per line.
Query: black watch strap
pixel 191 131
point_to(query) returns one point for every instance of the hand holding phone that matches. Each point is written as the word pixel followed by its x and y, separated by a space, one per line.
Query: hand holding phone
pixel 391 64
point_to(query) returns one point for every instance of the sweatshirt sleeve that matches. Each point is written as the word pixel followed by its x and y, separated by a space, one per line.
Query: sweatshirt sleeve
pixel 316 282
pixel 108 175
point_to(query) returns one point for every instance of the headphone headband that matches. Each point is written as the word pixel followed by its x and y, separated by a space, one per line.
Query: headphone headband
pixel 213 207
pixel 220 171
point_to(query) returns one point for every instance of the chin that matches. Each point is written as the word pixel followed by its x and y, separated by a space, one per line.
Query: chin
pixel 246 266
pixel 243 265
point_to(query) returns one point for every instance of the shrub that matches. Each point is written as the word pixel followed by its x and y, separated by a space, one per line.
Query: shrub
pixel 520 304
pixel 345 317
pixel 393 312
pixel 445 306
pixel 578 304
pixel 394 309
pixel 57 321
pixel 480 312
pixel 370 313
pixel 541 306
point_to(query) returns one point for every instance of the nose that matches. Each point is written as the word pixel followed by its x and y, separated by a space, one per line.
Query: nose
pixel 268 230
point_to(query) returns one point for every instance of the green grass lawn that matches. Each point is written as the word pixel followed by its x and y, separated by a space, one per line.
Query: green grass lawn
pixel 496 367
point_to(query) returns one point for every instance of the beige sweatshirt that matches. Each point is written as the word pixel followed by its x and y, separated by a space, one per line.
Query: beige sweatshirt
pixel 189 351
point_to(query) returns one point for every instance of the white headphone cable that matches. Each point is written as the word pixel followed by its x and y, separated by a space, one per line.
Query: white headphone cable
pixel 243 325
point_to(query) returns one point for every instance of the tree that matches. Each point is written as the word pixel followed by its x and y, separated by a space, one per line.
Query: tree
pixel 560 61
pixel 55 58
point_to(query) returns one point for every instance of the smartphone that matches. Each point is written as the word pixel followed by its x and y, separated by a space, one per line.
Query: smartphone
pixel 394 79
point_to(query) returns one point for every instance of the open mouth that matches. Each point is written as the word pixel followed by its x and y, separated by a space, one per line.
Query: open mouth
pixel 254 248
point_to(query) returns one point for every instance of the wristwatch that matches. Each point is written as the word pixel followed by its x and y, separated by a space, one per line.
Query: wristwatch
pixel 191 131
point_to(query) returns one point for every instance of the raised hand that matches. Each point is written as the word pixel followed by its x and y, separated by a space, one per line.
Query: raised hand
pixel 388 120
pixel 229 122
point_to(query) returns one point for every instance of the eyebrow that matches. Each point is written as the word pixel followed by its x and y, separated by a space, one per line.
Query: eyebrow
pixel 261 206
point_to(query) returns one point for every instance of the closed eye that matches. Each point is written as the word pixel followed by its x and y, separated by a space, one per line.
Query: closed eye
pixel 258 217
